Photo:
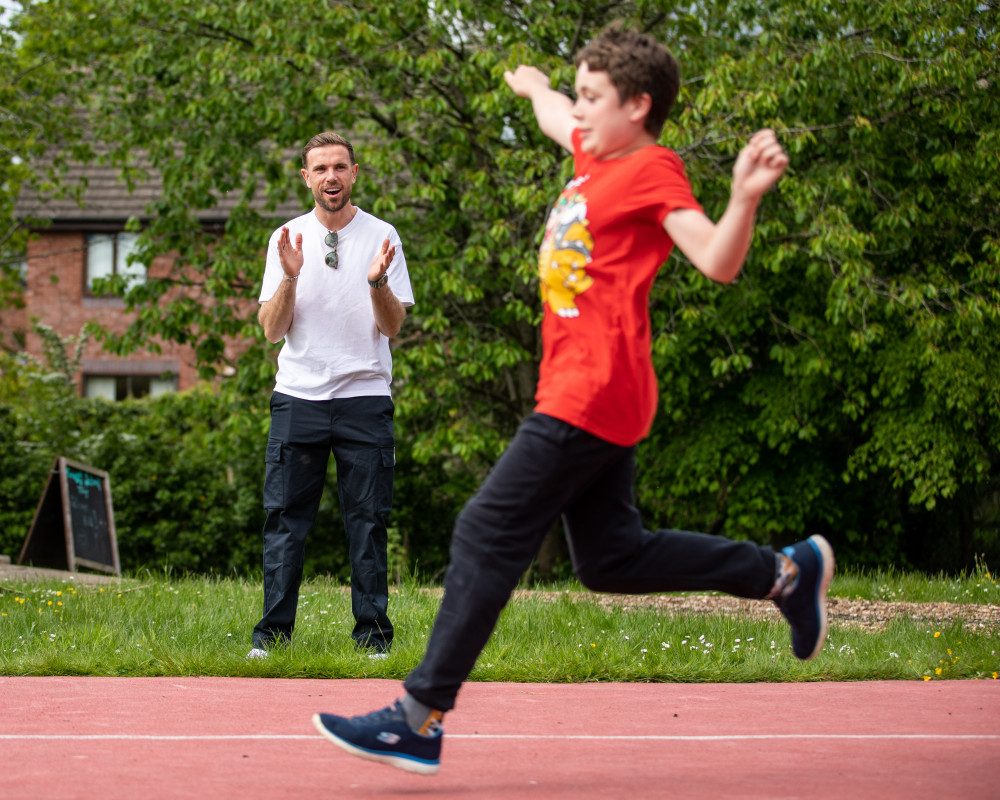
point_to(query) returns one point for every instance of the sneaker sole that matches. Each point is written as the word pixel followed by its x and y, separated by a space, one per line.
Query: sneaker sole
pixel 399 762
pixel 825 553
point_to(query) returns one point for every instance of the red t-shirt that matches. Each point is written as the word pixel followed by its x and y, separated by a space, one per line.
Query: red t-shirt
pixel 604 243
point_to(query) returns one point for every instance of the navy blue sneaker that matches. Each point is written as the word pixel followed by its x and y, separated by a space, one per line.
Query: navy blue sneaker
pixel 803 600
pixel 385 737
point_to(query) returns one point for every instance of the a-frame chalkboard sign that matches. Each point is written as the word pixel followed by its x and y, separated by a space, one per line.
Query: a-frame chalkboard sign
pixel 74 524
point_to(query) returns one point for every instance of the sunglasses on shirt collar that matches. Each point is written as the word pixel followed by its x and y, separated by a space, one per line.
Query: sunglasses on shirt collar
pixel 331 257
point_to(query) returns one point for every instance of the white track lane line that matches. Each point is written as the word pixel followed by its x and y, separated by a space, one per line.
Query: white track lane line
pixel 513 736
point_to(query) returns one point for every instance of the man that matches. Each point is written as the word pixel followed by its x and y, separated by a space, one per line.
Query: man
pixel 611 228
pixel 336 289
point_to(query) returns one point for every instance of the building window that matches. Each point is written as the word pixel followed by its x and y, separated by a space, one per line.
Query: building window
pixel 15 268
pixel 107 256
pixel 121 387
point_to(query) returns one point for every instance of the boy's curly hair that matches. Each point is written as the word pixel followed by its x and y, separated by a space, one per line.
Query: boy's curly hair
pixel 636 64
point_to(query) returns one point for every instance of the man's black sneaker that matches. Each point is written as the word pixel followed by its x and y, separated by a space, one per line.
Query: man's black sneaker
pixel 803 601
pixel 385 737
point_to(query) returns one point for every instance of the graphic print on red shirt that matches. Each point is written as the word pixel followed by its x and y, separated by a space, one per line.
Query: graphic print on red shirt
pixel 603 245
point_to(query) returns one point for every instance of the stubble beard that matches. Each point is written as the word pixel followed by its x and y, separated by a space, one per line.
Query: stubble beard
pixel 333 207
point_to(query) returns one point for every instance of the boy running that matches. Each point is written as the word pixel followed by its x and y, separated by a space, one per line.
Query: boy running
pixel 609 232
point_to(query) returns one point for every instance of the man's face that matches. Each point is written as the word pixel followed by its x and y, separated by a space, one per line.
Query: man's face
pixel 330 175
pixel 609 128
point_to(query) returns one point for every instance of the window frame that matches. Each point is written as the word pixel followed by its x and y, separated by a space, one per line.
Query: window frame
pixel 124 382
pixel 118 261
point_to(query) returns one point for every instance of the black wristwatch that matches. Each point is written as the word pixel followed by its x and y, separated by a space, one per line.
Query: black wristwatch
pixel 380 282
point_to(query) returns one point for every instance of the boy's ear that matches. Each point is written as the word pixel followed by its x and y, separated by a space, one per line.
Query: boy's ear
pixel 638 107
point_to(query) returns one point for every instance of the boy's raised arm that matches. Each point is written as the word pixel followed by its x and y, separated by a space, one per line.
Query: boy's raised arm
pixel 719 249
pixel 553 110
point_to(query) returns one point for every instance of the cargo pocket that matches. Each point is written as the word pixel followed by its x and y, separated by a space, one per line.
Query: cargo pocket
pixel 384 479
pixel 274 476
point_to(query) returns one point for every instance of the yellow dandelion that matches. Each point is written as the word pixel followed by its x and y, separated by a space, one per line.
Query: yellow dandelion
pixel 937 670
pixel 927 677
pixel 937 634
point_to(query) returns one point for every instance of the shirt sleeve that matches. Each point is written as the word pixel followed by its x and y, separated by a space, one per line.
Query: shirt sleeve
pixel 671 184
pixel 657 180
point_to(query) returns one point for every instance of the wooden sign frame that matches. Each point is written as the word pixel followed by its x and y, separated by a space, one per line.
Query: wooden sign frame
pixel 61 528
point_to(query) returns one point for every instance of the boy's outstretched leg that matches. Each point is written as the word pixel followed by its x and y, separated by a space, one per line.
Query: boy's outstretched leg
pixel 805 573
pixel 496 536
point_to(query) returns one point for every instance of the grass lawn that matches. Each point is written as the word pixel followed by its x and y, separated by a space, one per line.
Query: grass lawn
pixel 150 624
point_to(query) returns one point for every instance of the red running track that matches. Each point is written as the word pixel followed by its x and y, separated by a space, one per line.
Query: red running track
pixel 149 738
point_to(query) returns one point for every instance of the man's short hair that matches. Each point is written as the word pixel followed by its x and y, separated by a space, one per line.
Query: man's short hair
pixel 636 64
pixel 324 139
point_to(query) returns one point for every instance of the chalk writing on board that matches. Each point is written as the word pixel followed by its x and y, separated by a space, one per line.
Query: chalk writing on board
pixel 89 513
pixel 84 481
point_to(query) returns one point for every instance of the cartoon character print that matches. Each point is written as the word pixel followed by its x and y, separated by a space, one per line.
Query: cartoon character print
pixel 565 252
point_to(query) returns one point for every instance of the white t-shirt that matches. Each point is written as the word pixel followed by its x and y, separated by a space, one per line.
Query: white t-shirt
pixel 333 347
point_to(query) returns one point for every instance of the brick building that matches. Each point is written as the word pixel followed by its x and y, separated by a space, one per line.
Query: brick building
pixel 88 240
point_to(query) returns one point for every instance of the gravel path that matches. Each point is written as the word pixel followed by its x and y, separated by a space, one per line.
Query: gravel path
pixel 864 614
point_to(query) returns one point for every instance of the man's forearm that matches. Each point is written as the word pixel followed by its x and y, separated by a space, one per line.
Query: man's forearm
pixel 276 314
pixel 389 312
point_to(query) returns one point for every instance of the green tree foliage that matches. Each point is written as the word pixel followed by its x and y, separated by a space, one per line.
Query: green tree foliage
pixel 843 384
pixel 846 382
pixel 186 473
pixel 16 135
pixel 184 469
